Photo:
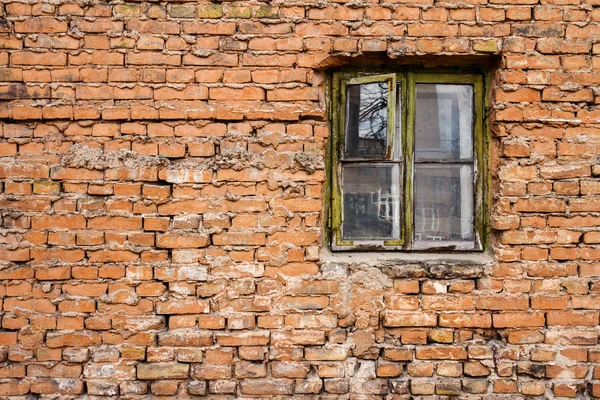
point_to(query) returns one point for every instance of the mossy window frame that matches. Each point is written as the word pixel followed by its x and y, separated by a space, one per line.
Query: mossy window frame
pixel 404 103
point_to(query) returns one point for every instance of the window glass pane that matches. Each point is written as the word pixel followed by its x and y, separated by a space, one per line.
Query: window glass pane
pixel 443 203
pixel 371 201
pixel 367 119
pixel 444 122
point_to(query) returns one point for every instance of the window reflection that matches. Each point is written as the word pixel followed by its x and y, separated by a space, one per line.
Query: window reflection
pixel 367 119
pixel 372 200
pixel 444 122
pixel 444 201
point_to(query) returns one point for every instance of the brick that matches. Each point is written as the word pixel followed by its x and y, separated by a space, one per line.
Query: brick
pixel 572 318
pixel 441 353
pixel 254 338
pixel 589 204
pixel 540 205
pixel 185 338
pixel 190 206
pixel 14 388
pixel 190 92
pixel 290 369
pixel 403 319
pixel 210 11
pixel 325 354
pixel 208 28
pixel 40 25
pixel 539 30
pixel 267 386
pixel 30 58
pixel 169 241
pixel 302 321
pixel 555 94
pixel 183 307
pixel 246 93
pixel 466 320
pixel 102 92
pixel 521 237
pixel 447 303
pixel 502 303
pixel 59 339
pixel 149 58
pixel 302 337
pixel 549 302
pixel 239 239
pixel 115 223
pixel 512 320
pixel 156 371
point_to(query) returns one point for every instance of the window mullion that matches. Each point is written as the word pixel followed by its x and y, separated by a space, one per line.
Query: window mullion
pixel 409 143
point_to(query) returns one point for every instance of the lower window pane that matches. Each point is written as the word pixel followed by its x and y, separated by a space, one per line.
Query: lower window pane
pixel 443 204
pixel 371 202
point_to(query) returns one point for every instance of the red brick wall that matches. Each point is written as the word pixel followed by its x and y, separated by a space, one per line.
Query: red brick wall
pixel 162 182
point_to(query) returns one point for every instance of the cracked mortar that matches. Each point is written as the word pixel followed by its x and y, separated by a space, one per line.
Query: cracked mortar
pixel 91 158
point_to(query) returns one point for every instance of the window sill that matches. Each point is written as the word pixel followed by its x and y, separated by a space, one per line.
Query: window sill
pixel 414 264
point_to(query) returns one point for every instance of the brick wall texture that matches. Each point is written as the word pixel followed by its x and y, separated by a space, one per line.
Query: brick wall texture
pixel 162 186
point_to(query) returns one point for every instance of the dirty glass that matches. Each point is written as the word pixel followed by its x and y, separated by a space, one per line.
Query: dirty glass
pixel 366 120
pixel 443 205
pixel 444 122
pixel 371 201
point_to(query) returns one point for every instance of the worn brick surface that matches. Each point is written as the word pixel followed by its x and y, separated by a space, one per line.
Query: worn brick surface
pixel 162 186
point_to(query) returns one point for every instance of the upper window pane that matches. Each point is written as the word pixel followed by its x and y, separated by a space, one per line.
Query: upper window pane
pixel 444 201
pixel 367 120
pixel 444 122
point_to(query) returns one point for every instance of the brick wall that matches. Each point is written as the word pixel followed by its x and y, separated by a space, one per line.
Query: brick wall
pixel 162 182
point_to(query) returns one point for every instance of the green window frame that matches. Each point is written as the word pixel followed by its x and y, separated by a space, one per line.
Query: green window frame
pixel 362 155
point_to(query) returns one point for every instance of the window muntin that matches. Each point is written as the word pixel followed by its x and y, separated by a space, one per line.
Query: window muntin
pixel 426 190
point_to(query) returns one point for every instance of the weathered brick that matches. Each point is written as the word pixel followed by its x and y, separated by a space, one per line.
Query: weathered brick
pixel 267 386
pixel 193 241
pixel 256 338
pixel 40 25
pixel 182 307
pixel 156 371
pixel 404 319
pixel 441 353
pixel 185 338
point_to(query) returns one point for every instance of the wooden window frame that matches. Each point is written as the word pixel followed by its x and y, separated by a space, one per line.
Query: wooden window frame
pixel 401 114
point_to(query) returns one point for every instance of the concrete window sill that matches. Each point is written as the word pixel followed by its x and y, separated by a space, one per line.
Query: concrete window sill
pixel 414 264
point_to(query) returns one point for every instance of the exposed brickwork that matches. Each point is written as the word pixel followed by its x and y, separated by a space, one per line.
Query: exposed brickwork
pixel 161 191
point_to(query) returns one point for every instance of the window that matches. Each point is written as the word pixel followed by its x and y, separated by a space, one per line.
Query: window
pixel 408 170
